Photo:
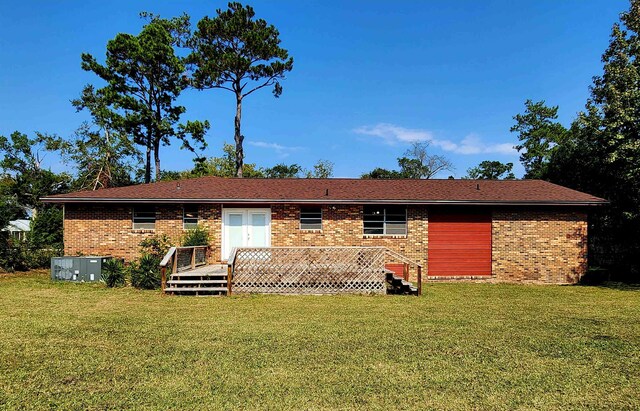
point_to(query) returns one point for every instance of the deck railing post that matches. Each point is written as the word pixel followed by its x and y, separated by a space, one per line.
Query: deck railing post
pixel 419 280
pixel 229 279
pixel 163 281
pixel 193 258
pixel 174 266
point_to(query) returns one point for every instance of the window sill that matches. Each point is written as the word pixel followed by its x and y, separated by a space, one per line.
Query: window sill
pixel 142 230
pixel 390 236
pixel 309 230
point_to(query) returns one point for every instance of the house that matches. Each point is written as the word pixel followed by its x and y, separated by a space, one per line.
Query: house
pixel 18 229
pixel 512 230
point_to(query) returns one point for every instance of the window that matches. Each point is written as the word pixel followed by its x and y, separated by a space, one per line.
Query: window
pixel 144 218
pixel 380 220
pixel 310 218
pixel 190 216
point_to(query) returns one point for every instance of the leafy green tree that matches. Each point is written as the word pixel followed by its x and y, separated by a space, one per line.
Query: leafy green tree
pixel 416 163
pixel 9 210
pixel 223 166
pixel 602 152
pixel 539 135
pixel 615 96
pixel 103 155
pixel 235 52
pixel 321 169
pixel 46 228
pixel 283 171
pixel 21 164
pixel 144 77
pixel 169 175
pixel 491 170
pixel 382 173
pixel 24 183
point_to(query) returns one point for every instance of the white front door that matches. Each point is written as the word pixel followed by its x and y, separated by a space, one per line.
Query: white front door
pixel 245 227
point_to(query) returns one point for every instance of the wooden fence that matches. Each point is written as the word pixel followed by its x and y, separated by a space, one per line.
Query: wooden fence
pixel 308 270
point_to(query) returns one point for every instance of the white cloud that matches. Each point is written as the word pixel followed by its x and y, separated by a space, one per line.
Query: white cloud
pixel 392 134
pixel 281 151
pixel 471 144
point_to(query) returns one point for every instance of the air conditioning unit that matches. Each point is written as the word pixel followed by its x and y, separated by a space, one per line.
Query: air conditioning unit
pixel 77 268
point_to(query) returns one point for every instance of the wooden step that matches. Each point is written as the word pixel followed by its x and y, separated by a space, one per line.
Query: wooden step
pixel 194 289
pixel 399 285
pixel 191 274
pixel 177 282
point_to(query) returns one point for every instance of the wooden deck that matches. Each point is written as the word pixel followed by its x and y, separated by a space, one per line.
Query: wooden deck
pixel 287 270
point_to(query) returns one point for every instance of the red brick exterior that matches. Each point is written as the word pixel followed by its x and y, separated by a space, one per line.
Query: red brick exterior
pixel 108 229
pixel 342 226
pixel 539 246
pixel 527 246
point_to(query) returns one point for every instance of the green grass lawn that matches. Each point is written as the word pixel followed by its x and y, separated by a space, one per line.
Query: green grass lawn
pixel 459 346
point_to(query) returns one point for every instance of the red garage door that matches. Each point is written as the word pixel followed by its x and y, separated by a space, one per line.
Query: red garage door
pixel 459 244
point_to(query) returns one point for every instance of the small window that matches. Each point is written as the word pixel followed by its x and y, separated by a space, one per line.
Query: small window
pixel 190 217
pixel 380 220
pixel 144 218
pixel 310 218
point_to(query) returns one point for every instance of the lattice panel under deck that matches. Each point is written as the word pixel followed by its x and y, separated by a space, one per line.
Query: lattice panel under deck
pixel 321 270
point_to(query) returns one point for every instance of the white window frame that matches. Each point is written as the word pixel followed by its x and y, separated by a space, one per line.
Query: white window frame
pixel 315 218
pixel 145 220
pixel 185 218
pixel 385 222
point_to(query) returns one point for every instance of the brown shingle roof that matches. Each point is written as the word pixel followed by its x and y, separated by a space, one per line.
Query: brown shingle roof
pixel 339 190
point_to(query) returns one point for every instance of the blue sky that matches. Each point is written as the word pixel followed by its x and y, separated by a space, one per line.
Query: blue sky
pixel 369 76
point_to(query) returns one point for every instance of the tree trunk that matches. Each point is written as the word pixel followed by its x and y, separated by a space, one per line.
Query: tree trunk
pixel 238 136
pixel 147 167
pixel 156 157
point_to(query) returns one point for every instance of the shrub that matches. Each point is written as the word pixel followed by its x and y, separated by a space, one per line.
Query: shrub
pixel 145 272
pixel 42 258
pixel 113 273
pixel 15 256
pixel 196 236
pixel 156 246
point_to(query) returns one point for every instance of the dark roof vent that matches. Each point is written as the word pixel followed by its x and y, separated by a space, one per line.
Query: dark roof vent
pixel 478 186
pixel 326 192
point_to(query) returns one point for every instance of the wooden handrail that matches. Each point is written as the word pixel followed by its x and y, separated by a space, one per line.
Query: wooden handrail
pixel 167 257
pixel 401 257
pixel 406 263
pixel 172 257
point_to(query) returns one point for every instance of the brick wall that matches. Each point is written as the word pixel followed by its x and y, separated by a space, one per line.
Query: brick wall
pixel 342 226
pixel 530 246
pixel 539 246
pixel 108 229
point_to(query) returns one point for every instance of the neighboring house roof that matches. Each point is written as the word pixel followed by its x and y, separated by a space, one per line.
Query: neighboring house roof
pixel 338 190
pixel 18 225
